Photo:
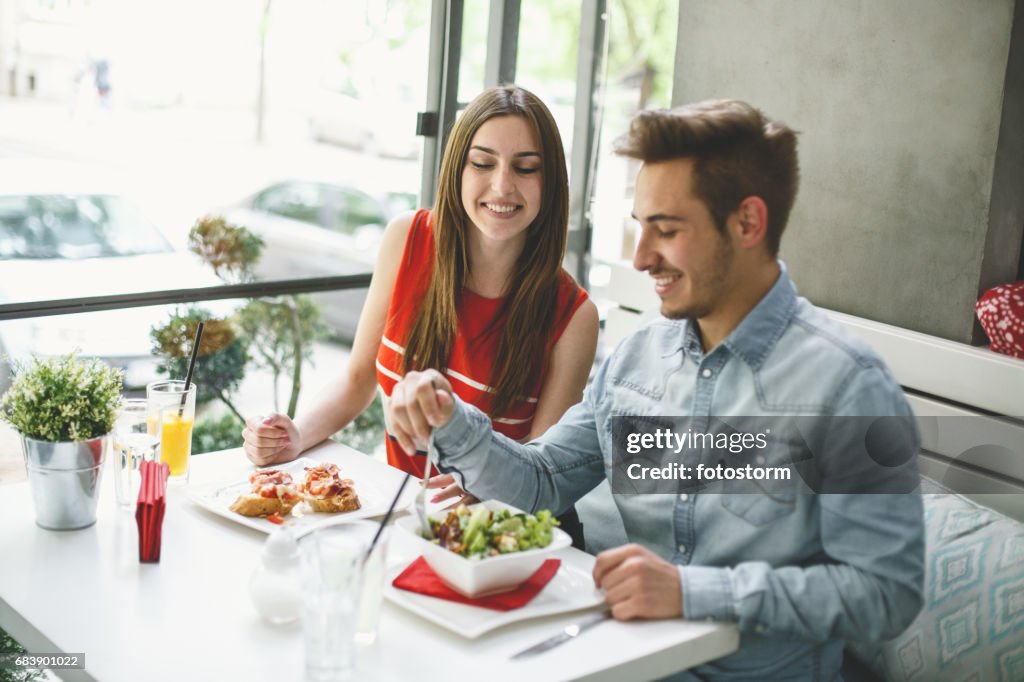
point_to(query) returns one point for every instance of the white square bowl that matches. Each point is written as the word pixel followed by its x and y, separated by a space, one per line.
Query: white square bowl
pixel 487 575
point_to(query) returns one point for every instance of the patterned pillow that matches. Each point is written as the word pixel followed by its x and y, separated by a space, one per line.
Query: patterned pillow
pixel 1001 313
pixel 972 624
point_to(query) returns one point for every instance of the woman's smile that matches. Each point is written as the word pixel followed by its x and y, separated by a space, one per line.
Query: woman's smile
pixel 501 179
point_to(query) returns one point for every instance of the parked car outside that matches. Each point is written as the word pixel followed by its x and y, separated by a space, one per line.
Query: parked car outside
pixel 382 124
pixel 69 231
pixel 318 228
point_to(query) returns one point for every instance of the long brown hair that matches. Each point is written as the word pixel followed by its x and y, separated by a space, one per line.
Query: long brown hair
pixel 529 306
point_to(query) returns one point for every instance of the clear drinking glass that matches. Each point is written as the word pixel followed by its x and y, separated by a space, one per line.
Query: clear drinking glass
pixel 372 590
pixel 331 562
pixel 133 443
pixel 173 415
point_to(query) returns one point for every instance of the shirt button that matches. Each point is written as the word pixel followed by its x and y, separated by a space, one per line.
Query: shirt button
pixel 682 549
pixel 684 497
pixel 706 373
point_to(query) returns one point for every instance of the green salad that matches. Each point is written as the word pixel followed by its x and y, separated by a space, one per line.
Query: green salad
pixel 479 532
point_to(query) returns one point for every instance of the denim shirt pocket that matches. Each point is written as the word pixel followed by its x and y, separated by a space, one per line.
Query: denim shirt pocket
pixel 760 509
pixel 760 502
pixel 640 446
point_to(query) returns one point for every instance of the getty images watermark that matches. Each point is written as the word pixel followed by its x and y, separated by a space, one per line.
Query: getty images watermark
pixel 668 441
pixel 764 455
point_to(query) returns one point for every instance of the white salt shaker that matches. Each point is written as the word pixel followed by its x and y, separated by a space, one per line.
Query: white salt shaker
pixel 275 587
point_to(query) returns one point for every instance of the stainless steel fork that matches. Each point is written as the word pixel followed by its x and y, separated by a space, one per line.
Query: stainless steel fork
pixel 421 495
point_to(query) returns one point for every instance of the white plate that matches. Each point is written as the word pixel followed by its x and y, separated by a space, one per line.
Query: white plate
pixel 375 483
pixel 570 590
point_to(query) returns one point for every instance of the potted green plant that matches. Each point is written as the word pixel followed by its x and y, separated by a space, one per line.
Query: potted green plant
pixel 63 408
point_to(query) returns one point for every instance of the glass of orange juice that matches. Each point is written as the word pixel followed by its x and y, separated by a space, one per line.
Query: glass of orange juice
pixel 172 412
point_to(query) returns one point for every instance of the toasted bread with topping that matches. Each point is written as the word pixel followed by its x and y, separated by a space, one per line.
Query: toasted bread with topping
pixel 254 505
pixel 273 492
pixel 326 491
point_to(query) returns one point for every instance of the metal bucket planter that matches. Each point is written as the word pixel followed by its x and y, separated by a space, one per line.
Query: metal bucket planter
pixel 65 480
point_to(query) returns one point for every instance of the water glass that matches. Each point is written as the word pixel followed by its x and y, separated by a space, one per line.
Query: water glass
pixel 331 561
pixel 133 443
pixel 372 590
pixel 174 414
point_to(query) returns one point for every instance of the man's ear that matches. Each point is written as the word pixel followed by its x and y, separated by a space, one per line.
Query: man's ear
pixel 752 222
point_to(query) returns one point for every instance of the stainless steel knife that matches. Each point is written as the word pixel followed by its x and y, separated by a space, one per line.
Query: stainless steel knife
pixel 567 633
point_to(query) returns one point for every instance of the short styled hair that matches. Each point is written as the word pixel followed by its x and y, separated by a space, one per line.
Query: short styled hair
pixel 737 152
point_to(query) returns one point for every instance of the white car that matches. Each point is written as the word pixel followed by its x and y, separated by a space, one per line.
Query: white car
pixel 67 231
pixel 377 124
pixel 319 228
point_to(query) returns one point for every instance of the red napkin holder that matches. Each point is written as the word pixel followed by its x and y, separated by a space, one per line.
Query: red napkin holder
pixel 149 513
pixel 418 577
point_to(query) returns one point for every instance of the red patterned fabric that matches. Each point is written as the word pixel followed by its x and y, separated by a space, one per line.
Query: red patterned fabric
pixel 421 579
pixel 1001 313
pixel 469 367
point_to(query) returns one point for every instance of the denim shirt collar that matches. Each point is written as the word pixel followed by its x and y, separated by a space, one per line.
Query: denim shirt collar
pixel 758 332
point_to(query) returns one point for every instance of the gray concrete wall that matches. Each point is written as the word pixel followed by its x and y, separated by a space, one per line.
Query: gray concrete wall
pixel 899 107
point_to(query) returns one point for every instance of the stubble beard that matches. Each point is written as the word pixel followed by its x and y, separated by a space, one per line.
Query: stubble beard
pixel 707 288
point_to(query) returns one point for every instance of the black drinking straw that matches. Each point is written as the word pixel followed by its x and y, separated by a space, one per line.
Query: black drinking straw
pixel 191 367
pixel 387 516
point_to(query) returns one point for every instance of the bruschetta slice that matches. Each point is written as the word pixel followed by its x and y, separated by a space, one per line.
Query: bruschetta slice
pixel 326 491
pixel 273 492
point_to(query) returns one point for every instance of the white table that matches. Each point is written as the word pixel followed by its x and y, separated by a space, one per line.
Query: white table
pixel 189 617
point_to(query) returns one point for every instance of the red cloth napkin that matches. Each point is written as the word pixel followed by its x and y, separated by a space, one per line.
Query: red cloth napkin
pixel 420 578
pixel 149 513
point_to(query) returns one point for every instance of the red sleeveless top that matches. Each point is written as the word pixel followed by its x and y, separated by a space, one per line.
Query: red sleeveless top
pixel 469 367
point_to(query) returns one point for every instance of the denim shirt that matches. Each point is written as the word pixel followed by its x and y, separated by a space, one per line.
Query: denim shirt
pixel 797 575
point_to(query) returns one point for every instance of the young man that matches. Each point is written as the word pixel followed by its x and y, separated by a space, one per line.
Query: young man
pixel 797 573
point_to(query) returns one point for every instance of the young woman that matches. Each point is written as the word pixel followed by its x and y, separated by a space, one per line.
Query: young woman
pixel 475 286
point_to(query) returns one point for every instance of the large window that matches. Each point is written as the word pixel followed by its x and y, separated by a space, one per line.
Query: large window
pixel 122 124
pixel 295 120
pixel 314 93
pixel 637 75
